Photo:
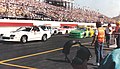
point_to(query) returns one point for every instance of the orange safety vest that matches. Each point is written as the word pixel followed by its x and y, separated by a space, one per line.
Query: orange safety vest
pixel 101 35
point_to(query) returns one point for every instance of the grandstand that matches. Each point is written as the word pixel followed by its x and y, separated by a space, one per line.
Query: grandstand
pixel 50 10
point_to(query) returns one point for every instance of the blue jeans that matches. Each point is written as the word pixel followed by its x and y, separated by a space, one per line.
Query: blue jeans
pixel 99 51
pixel 108 37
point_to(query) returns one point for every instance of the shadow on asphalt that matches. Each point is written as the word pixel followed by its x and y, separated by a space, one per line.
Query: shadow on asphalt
pixel 91 64
pixel 58 60
pixel 63 61
pixel 94 67
pixel 14 42
pixel 92 47
pixel 8 42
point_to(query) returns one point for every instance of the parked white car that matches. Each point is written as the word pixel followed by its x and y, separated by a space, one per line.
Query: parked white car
pixel 53 31
pixel 24 34
pixel 65 29
pixel 46 28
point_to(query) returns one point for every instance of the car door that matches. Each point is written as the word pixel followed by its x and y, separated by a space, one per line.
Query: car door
pixel 36 33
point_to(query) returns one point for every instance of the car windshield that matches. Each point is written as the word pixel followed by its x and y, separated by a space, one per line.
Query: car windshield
pixel 24 29
pixel 81 29
pixel 43 27
pixel 65 26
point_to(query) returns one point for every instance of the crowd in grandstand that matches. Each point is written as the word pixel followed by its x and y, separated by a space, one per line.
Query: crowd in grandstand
pixel 42 10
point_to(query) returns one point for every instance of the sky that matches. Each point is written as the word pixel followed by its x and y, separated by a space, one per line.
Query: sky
pixel 110 8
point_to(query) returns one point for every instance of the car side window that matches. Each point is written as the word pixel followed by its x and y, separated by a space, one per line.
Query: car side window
pixel 43 27
pixel 28 29
pixel 36 29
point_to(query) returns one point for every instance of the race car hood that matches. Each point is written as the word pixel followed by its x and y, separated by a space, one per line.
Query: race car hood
pixel 77 31
pixel 13 33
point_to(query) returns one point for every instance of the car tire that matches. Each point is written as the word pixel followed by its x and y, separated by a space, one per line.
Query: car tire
pixel 90 35
pixel 44 37
pixel 55 32
pixel 84 36
pixel 23 39
pixel 66 32
pixel 60 33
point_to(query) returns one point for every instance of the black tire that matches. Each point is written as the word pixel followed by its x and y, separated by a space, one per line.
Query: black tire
pixel 60 33
pixel 66 32
pixel 89 34
pixel 44 37
pixel 23 39
pixel 84 35
pixel 55 32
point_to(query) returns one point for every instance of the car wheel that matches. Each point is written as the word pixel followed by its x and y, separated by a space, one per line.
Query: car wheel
pixel 55 32
pixel 44 37
pixel 90 35
pixel 84 36
pixel 23 39
pixel 66 32
pixel 60 33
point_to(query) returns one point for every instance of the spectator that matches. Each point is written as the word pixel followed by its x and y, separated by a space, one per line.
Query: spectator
pixel 80 60
pixel 66 48
pixel 19 8
pixel 111 61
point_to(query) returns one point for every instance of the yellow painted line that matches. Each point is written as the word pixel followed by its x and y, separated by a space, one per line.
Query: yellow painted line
pixel 31 55
pixel 13 65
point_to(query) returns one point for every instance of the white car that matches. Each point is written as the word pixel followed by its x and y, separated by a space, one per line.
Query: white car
pixel 49 28
pixel 46 28
pixel 65 29
pixel 24 34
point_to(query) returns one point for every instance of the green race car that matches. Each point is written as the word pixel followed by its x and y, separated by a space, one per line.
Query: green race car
pixel 80 33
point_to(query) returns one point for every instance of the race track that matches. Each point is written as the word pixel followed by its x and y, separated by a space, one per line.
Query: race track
pixel 40 55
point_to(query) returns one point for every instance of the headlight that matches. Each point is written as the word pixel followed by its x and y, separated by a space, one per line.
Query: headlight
pixel 12 36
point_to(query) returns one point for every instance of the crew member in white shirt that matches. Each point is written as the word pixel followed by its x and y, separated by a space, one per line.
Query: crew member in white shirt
pixel 108 32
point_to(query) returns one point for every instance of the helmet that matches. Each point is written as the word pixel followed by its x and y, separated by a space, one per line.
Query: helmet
pixel 118 22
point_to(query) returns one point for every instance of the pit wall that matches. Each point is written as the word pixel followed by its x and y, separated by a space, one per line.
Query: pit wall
pixel 11 25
